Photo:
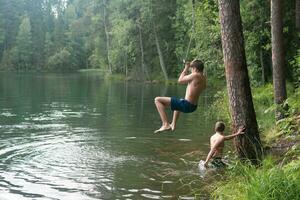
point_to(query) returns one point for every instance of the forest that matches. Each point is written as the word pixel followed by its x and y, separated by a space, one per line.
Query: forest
pixel 250 50
pixel 138 39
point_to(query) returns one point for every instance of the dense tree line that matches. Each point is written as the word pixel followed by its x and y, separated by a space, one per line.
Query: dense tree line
pixel 137 38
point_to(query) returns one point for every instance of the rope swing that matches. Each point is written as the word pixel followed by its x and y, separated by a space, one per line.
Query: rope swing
pixel 193 31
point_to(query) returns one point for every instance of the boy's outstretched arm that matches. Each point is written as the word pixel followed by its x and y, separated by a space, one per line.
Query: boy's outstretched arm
pixel 212 151
pixel 240 132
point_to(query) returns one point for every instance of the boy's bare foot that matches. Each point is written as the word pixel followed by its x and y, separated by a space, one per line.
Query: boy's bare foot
pixel 163 128
pixel 172 126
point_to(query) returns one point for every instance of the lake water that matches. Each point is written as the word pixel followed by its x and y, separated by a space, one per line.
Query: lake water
pixel 80 137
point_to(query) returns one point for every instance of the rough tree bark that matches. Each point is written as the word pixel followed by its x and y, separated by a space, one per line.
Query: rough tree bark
pixel 242 112
pixel 279 83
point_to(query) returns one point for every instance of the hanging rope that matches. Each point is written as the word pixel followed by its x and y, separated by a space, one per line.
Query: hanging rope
pixel 193 30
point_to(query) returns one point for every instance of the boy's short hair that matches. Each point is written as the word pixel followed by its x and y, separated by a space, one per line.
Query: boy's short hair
pixel 219 127
pixel 197 64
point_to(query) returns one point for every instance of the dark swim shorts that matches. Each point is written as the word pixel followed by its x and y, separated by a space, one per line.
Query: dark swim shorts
pixel 218 163
pixel 182 105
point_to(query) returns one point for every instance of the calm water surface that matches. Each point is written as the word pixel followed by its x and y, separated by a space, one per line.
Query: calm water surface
pixel 80 137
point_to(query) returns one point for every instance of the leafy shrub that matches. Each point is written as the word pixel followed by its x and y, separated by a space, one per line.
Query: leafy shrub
pixel 219 109
pixel 296 69
pixel 60 60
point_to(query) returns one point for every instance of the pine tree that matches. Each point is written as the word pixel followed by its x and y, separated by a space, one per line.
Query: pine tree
pixel 2 35
pixel 23 50
pixel 240 98
pixel 278 64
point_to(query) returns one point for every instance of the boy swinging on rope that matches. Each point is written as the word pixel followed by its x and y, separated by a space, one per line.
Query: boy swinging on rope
pixel 196 83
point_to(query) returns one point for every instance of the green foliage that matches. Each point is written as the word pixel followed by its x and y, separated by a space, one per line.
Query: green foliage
pixel 293 102
pixel 115 77
pixel 264 95
pixel 22 52
pixel 257 33
pixel 286 126
pixel 121 30
pixel 219 109
pixel 263 99
pixel 60 60
pixel 49 46
pixel 208 45
pixel 205 38
pixel 245 182
pixel 78 26
pixel 6 61
pixel 296 69
pixel 290 124
pixel 2 31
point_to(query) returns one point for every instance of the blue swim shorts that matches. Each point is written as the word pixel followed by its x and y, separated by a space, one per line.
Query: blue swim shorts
pixel 182 105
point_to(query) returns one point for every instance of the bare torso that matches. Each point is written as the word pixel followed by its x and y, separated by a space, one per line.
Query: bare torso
pixel 195 88
pixel 216 138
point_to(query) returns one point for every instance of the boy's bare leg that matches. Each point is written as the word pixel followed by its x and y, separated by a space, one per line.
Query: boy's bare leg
pixel 161 103
pixel 175 117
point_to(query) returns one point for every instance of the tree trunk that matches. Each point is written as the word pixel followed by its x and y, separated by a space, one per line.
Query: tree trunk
pixel 278 56
pixel 297 13
pixel 193 31
pixel 107 38
pixel 263 73
pixel 160 55
pixel 126 64
pixel 248 146
pixel 144 67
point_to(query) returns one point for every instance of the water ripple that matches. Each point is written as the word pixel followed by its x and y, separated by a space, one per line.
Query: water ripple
pixel 52 166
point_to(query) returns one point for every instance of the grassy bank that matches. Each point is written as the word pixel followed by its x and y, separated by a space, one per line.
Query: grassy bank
pixel 272 181
pixel 279 176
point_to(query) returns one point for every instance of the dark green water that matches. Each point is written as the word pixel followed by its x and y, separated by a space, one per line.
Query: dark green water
pixel 80 137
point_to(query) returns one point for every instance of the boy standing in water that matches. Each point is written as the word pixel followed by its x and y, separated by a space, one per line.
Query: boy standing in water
pixel 196 83
pixel 217 145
